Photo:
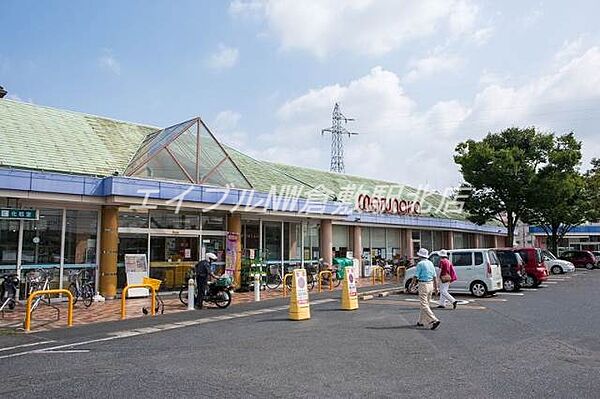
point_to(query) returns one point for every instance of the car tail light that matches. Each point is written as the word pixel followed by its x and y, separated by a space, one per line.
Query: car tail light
pixel 489 269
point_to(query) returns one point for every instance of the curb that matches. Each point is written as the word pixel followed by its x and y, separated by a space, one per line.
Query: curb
pixel 383 292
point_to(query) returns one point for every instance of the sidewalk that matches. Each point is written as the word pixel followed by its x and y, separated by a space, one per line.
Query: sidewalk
pixel 45 317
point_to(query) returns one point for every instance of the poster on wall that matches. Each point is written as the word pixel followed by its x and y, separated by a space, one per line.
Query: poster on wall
pixel 231 253
pixel 136 268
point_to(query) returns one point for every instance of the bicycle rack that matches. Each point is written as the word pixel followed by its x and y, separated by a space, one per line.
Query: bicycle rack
pixel 35 294
pixel 124 296
pixel 377 270
pixel 321 274
pixel 290 275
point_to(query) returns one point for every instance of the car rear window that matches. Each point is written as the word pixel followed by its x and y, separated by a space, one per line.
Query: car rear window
pixel 478 258
pixel 462 259
pixel 524 255
pixel 538 256
pixel 493 258
pixel 507 257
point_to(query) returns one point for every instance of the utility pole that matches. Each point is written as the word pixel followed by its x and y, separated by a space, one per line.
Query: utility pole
pixel 337 130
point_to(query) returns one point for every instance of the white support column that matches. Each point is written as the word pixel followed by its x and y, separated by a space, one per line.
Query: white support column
pixel 62 249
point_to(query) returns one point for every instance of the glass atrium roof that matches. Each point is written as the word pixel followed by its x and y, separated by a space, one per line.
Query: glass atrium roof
pixel 187 152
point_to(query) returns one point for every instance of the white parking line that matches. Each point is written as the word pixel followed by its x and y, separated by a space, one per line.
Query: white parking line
pixel 529 289
pixel 143 331
pixel 551 282
pixel 9 348
pixel 510 293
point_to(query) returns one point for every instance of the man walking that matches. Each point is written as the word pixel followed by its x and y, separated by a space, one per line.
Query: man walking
pixel 447 277
pixel 425 273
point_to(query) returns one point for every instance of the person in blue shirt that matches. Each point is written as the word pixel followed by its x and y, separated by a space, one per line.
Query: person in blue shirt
pixel 425 273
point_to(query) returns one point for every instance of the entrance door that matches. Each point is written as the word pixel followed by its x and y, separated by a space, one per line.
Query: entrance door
pixel 171 257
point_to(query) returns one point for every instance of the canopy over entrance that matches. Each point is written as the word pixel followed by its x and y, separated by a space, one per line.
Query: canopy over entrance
pixel 187 152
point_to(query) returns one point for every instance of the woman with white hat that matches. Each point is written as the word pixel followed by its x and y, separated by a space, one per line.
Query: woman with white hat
pixel 425 273
pixel 447 277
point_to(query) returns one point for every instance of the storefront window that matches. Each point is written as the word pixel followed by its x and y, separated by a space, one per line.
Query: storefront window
pixel 272 240
pixel 340 241
pixel 416 241
pixel 168 219
pixel 426 239
pixel 251 235
pixel 392 238
pixel 216 245
pixel 292 236
pixel 9 243
pixel 311 243
pixel 438 240
pixel 366 243
pixel 213 221
pixel 171 257
pixel 378 243
pixel 459 242
pixel 42 238
pixel 80 237
pixel 133 219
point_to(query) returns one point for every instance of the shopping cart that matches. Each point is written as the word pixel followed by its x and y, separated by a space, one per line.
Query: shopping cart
pixel 160 305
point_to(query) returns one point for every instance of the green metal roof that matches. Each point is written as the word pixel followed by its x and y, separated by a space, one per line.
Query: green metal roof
pixel 43 138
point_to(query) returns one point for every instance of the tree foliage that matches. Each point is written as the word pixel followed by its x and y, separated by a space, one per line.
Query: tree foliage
pixel 559 197
pixel 499 170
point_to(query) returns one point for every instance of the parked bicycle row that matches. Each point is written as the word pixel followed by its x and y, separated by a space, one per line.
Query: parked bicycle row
pixel 81 285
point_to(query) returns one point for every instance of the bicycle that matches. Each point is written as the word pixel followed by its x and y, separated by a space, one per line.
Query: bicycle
pixel 38 280
pixel 82 286
pixel 273 278
pixel 8 291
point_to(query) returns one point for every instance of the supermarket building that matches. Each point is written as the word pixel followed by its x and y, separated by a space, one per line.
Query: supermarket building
pixel 81 191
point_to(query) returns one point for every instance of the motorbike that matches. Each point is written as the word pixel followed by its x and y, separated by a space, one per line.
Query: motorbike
pixel 219 292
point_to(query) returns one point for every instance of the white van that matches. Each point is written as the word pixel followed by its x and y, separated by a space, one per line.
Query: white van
pixel 478 271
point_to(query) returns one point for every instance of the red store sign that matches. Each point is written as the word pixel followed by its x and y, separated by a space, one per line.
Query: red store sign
pixel 366 203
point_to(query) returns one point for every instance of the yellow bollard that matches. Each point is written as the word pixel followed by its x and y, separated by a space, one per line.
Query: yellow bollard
pixel 349 294
pixel 152 301
pixel 35 294
pixel 299 305
pixel 375 270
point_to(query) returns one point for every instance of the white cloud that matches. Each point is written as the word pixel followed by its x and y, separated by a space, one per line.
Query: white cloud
pixel 401 142
pixel 108 62
pixel 431 65
pixel 570 49
pixel 371 27
pixel 225 127
pixel 224 58
pixel 533 17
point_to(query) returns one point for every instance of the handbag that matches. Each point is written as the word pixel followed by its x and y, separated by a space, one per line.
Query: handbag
pixel 445 278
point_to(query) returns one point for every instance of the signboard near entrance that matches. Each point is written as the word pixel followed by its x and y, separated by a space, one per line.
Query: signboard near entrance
pixel 231 254
pixel 19 214
pixel 136 268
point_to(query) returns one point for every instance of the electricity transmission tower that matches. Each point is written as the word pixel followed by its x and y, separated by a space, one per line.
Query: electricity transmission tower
pixel 337 131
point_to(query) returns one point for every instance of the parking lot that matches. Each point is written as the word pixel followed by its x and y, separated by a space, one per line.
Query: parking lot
pixel 536 343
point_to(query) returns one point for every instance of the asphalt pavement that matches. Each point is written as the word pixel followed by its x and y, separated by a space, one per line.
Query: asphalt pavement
pixel 541 344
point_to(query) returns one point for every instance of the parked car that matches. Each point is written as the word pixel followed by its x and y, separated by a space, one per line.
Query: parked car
pixel 597 255
pixel 580 258
pixel 534 266
pixel 513 270
pixel 478 271
pixel 555 265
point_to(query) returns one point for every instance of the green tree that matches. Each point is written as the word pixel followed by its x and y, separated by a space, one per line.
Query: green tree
pixel 499 170
pixel 559 199
pixel 593 189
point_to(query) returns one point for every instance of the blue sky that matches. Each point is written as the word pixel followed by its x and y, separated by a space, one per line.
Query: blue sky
pixel 419 77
